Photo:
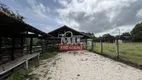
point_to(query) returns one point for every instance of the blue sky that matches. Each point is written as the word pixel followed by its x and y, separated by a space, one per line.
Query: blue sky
pixel 95 16
pixel 39 13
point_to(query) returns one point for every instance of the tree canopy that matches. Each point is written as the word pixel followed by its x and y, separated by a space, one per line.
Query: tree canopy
pixel 108 38
pixel 125 36
pixel 136 33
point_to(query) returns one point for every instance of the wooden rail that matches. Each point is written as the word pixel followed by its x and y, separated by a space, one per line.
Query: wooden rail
pixel 13 64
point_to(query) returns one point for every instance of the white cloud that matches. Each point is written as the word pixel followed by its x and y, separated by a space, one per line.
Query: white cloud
pixel 71 23
pixel 95 16
pixel 139 14
pixel 38 9
pixel 48 28
pixel 63 2
pixel 98 15
pixel 117 31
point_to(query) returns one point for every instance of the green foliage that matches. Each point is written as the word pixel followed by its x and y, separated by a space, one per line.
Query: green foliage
pixel 21 73
pixel 47 55
pixel 88 34
pixel 108 38
pixel 137 33
pixel 96 39
pixel 18 75
pixel 126 36
pixel 33 63
pixel 104 38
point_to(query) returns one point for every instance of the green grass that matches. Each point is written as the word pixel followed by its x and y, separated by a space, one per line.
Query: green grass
pixel 21 73
pixel 127 51
pixel 47 55
pixel 18 75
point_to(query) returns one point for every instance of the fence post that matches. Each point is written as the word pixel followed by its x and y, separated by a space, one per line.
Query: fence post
pixel 13 48
pixel 22 44
pixel 38 56
pixel 41 45
pixel 0 44
pixel 101 46
pixel 92 45
pixel 31 45
pixel 26 64
pixel 44 45
pixel 53 44
pixel 86 43
pixel 117 48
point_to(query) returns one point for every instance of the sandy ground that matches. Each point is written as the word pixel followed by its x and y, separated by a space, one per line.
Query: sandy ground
pixel 84 65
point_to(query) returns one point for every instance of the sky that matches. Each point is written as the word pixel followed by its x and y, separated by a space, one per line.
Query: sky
pixel 94 16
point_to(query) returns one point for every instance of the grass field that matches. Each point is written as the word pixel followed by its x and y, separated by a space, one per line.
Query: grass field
pixel 127 51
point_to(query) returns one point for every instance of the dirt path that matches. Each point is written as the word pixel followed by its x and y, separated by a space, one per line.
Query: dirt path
pixel 84 65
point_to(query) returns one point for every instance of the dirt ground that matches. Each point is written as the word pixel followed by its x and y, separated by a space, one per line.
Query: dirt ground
pixel 84 65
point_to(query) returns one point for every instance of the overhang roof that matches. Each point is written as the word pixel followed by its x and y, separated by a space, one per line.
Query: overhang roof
pixel 66 28
pixel 11 27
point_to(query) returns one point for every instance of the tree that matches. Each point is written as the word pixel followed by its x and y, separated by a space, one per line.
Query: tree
pixel 108 38
pixel 125 36
pixel 137 33
pixel 10 13
pixel 88 34
pixel 95 39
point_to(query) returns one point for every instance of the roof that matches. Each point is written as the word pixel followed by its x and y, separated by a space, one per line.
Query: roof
pixel 66 28
pixel 11 27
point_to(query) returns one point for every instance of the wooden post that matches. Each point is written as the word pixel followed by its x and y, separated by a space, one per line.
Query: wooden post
pixel 92 45
pixel 46 45
pixel 117 48
pixel 26 64
pixel 0 44
pixel 42 45
pixel 86 43
pixel 54 44
pixel 101 46
pixel 13 48
pixel 38 56
pixel 31 45
pixel 22 44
